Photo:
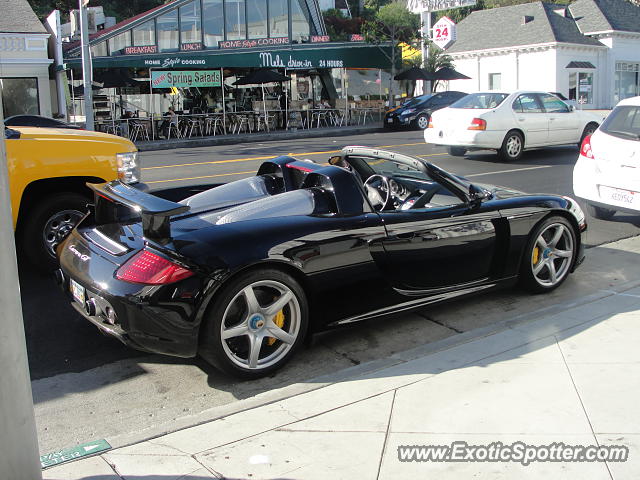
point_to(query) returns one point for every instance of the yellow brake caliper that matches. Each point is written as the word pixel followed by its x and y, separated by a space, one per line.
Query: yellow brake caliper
pixel 536 255
pixel 279 321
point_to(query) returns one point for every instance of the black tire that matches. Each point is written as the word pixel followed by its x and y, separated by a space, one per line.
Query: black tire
pixel 456 151
pixel 542 281
pixel 421 122
pixel 512 146
pixel 588 130
pixel 600 213
pixel 69 208
pixel 227 357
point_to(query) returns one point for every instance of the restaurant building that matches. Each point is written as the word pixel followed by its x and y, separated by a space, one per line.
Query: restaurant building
pixel 197 45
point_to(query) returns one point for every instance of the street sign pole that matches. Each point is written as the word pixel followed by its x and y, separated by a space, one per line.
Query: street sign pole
pixel 18 438
pixel 87 68
pixel 425 17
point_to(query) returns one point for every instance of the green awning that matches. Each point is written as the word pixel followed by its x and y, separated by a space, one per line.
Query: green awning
pixel 347 55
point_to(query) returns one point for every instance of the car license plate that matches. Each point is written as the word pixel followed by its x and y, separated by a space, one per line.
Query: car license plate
pixel 389 120
pixel 77 291
pixel 619 195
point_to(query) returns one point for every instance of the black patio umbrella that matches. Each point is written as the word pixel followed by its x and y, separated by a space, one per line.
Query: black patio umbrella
pixel 414 73
pixel 448 73
pixel 79 90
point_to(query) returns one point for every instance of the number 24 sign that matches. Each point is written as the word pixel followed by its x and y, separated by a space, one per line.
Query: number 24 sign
pixel 444 32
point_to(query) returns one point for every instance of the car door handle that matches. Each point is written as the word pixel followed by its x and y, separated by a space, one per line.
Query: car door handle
pixel 521 119
pixel 408 235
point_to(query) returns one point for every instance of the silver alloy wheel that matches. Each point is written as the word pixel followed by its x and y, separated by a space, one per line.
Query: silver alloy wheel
pixel 552 254
pixel 58 227
pixel 423 122
pixel 514 146
pixel 258 326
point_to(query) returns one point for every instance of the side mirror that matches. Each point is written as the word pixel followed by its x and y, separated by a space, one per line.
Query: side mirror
pixel 571 108
pixel 336 161
pixel 477 194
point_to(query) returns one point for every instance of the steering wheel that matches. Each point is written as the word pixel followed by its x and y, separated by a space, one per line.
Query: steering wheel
pixel 378 191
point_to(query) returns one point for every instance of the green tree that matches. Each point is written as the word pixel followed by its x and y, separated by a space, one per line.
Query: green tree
pixel 395 24
pixel 436 60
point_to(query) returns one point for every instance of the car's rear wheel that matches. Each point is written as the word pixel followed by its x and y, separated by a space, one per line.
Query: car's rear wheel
pixel 549 255
pixel 588 130
pixel 456 151
pixel 48 224
pixel 422 122
pixel 600 213
pixel 255 324
pixel 512 146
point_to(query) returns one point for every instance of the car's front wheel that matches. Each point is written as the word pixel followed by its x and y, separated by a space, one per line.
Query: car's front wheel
pixel 512 146
pixel 50 221
pixel 255 324
pixel 422 122
pixel 549 255
pixel 600 213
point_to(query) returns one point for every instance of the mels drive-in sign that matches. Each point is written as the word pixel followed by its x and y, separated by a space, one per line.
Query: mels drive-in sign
pixel 185 78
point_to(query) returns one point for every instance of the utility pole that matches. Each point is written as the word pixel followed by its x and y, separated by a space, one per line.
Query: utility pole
pixel 18 438
pixel 87 68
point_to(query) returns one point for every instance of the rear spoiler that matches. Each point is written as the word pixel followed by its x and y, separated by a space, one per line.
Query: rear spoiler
pixel 154 211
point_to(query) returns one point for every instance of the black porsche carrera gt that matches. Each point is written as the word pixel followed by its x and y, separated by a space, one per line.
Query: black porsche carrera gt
pixel 242 273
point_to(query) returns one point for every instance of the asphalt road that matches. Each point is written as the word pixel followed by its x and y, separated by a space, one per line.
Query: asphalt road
pixel 61 345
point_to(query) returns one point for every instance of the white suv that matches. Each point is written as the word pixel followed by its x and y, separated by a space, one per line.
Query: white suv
pixel 607 173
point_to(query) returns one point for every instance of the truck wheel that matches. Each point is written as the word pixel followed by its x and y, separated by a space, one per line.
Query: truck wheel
pixel 50 221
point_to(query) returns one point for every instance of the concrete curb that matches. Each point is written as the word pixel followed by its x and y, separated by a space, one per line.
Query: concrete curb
pixel 156 145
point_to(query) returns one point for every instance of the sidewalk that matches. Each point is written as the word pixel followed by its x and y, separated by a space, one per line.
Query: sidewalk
pixel 570 374
pixel 153 145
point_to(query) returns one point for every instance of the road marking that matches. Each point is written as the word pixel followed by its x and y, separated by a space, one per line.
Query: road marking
pixel 204 176
pixel 432 155
pixel 509 171
pixel 269 157
pixel 247 159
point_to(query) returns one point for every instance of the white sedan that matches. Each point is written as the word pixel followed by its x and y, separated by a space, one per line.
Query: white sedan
pixel 508 123
pixel 607 173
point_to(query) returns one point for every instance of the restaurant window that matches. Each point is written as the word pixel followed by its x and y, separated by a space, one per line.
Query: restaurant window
pixel 119 42
pixel 168 31
pixel 581 87
pixel 495 81
pixel 144 34
pixel 235 25
pixel 627 81
pixel 212 22
pixel 257 19
pixel 300 24
pixel 99 50
pixel 190 23
pixel 278 18
pixel 20 96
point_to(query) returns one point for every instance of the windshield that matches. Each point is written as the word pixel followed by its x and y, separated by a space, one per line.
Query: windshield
pixel 480 100
pixel 623 122
pixel 412 102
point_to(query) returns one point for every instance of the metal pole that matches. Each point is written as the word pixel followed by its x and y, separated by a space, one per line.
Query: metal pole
pixel 73 98
pixel 18 441
pixel 426 30
pixel 87 69
pixel 224 107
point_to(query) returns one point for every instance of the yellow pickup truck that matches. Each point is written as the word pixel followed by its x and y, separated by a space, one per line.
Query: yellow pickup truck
pixel 48 170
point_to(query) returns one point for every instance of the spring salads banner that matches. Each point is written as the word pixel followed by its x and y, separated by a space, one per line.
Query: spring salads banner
pixel 185 78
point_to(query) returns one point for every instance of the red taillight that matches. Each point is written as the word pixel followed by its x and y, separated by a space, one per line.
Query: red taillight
pixel 151 269
pixel 478 124
pixel 585 148
pixel 430 124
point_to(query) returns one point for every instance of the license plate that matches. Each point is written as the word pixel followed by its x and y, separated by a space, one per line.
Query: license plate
pixel 77 291
pixel 620 196
pixel 389 120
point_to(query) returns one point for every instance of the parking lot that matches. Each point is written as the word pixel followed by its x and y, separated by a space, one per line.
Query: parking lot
pixel 88 386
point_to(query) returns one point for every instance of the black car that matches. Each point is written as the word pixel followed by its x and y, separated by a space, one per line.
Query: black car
pixel 416 112
pixel 37 121
pixel 242 273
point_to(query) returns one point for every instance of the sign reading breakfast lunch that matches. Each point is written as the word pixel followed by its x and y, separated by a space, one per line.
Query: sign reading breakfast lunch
pixel 417 6
pixel 185 78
